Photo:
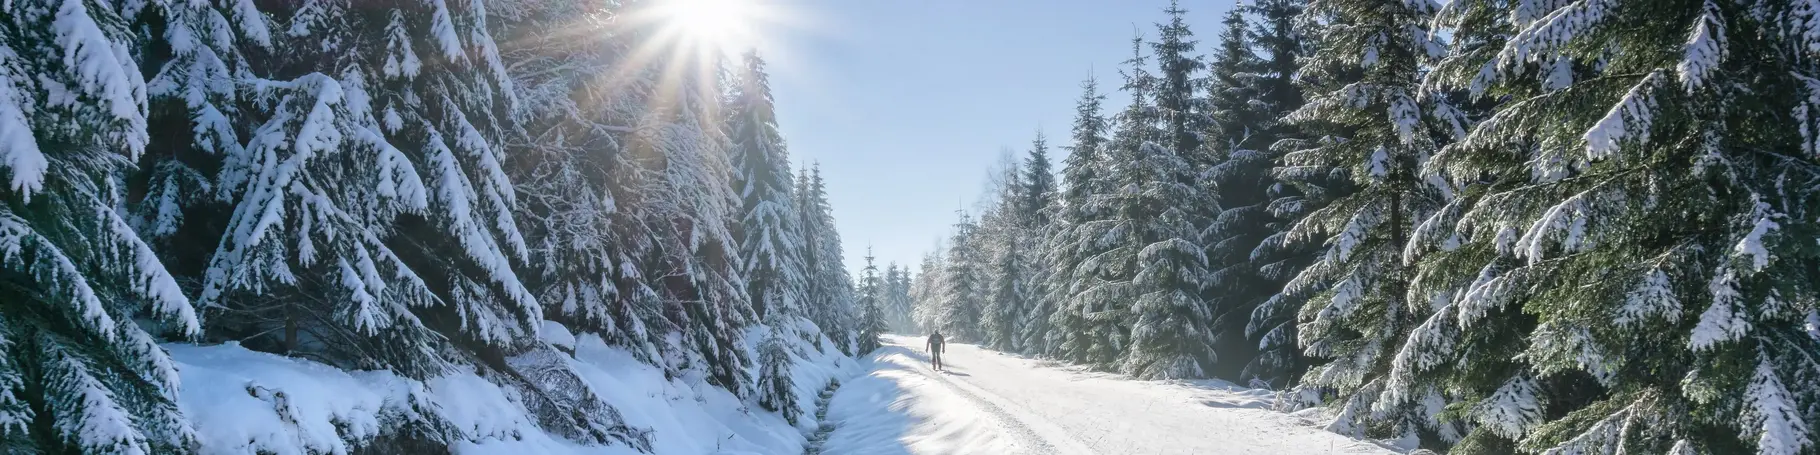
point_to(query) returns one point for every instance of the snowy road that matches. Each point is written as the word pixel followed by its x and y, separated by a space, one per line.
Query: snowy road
pixel 990 403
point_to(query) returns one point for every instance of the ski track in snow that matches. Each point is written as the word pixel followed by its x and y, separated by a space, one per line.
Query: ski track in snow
pixel 992 403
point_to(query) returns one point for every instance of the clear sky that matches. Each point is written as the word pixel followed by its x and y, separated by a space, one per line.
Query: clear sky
pixel 906 104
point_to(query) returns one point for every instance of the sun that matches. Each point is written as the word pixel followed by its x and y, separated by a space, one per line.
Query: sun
pixel 723 26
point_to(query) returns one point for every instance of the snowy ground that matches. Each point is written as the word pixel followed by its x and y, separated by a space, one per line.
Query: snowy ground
pixel 990 403
pixel 245 402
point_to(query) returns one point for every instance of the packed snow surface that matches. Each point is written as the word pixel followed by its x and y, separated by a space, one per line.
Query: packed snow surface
pixel 989 403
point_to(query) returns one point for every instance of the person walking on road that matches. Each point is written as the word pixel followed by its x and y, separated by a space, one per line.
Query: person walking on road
pixel 935 349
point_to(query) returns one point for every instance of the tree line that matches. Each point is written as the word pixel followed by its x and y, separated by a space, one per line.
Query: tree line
pixel 1579 226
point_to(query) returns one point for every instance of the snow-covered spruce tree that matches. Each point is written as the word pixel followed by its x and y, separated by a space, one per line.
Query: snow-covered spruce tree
pixel 330 218
pixel 1110 243
pixel 1278 34
pixel 1084 177
pixel 1273 316
pixel 1035 215
pixel 196 87
pixel 1163 209
pixel 1429 369
pixel 300 268
pixel 1365 103
pixel 834 268
pixel 1038 189
pixel 1235 73
pixel 815 294
pixel 1643 214
pixel 773 270
pixel 79 372
pixel 1152 264
pixel 770 235
pixel 962 291
pixel 1000 243
pixel 776 392
pixel 678 212
pixel 696 269
pixel 830 286
pixel 448 115
pixel 569 142
pixel 579 205
pixel 1177 87
pixel 870 299
pixel 1239 178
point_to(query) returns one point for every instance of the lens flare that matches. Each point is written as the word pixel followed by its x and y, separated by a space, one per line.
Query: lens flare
pixel 722 26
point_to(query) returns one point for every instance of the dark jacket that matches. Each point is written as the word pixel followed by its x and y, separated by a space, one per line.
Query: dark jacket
pixel 935 342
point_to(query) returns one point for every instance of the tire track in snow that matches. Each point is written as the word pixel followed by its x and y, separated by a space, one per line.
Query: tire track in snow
pixel 1019 425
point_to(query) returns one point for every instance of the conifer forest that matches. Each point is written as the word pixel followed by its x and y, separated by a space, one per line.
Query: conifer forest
pixel 1491 226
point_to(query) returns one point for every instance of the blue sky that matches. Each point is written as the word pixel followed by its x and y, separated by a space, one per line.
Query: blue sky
pixel 906 104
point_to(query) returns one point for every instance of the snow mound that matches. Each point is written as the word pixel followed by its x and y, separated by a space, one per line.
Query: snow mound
pixel 242 401
pixel 557 335
pixel 1222 394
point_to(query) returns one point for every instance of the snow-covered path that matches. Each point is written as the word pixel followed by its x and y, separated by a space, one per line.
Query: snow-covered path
pixel 990 403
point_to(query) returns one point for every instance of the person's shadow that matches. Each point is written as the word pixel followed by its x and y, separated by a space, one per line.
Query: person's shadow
pixel 953 373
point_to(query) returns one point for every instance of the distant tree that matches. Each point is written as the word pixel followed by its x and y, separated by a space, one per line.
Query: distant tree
pixel 870 297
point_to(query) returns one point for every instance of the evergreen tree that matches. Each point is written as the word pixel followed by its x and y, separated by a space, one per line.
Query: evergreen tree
pixel 1035 194
pixel 79 372
pixel 768 241
pixel 331 164
pixel 1273 259
pixel 1368 108
pixel 1631 232
pixel 830 293
pixel 1236 72
pixel 694 266
pixel 1164 210
pixel 1239 179
pixel 1279 34
pixel 776 392
pixel 1110 243
pixel 583 189
pixel 870 296
pixel 774 273
pixel 1448 265
pixel 998 241
pixel 1037 190
pixel 961 293
pixel 1177 87
pixel 1055 321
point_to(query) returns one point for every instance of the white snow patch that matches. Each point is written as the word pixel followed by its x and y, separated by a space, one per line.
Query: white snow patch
pixel 557 335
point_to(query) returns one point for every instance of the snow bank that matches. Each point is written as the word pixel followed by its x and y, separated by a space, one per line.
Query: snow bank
pixel 245 402
pixel 816 365
pixel 241 401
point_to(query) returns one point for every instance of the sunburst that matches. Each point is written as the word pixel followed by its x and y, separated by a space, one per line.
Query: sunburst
pixel 724 27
